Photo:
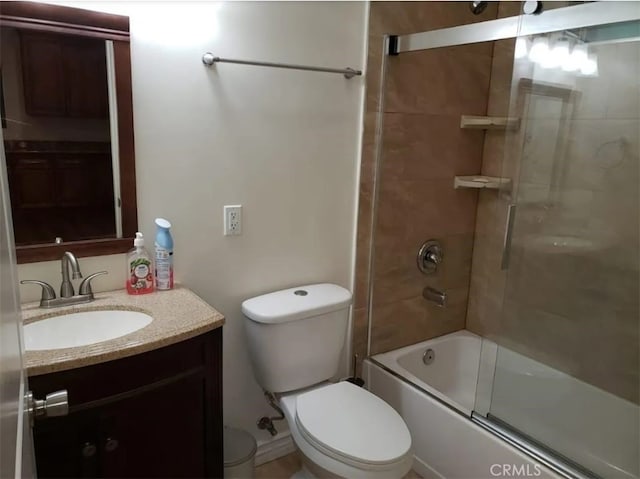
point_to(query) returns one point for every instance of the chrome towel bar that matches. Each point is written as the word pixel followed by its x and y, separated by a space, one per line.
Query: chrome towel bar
pixel 209 59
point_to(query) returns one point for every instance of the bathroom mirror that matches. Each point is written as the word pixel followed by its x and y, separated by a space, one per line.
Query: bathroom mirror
pixel 67 130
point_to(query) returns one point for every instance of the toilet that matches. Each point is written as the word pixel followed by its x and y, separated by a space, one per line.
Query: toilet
pixel 295 341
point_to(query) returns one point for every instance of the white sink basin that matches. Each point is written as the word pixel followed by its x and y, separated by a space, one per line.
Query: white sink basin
pixel 82 329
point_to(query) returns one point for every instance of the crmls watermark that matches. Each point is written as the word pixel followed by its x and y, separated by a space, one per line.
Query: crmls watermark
pixel 515 470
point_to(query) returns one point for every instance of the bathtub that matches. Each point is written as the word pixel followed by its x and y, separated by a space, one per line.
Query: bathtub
pixel 452 376
pixel 437 400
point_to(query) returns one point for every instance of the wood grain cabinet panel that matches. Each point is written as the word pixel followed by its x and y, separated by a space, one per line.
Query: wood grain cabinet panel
pixel 153 415
pixel 32 182
pixel 42 75
pixel 85 67
pixel 64 76
pixel 61 189
pixel 83 180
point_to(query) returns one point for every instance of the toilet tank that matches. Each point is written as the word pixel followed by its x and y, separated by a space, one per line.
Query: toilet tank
pixel 296 335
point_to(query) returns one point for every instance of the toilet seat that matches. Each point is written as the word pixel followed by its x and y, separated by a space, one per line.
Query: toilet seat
pixel 353 426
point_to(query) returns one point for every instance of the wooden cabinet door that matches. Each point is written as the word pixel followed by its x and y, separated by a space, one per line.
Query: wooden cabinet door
pixel 65 194
pixel 68 447
pixel 33 197
pixel 32 180
pixel 159 433
pixel 153 415
pixel 84 180
pixel 85 69
pixel 43 76
pixel 64 76
pixel 74 181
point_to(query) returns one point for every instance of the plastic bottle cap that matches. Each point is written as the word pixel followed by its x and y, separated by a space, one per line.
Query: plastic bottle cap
pixel 139 240
pixel 162 223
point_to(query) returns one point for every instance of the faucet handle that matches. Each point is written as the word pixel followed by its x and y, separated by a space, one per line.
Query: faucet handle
pixel 85 286
pixel 47 290
pixel 430 256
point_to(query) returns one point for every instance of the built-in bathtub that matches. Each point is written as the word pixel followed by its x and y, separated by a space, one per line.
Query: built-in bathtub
pixel 437 400
pixel 452 374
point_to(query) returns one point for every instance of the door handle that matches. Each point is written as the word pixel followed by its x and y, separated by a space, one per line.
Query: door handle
pixel 508 237
pixel 54 404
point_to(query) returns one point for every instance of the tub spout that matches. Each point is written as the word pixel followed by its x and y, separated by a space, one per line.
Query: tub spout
pixel 436 296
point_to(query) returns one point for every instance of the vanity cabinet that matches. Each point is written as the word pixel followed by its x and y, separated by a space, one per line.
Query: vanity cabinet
pixel 156 414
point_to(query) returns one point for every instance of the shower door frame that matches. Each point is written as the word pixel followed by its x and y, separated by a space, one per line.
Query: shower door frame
pixel 565 18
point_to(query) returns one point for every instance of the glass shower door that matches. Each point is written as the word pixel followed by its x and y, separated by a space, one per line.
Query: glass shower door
pixel 564 360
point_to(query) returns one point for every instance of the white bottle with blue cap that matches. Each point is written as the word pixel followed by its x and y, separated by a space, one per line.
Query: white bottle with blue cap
pixel 164 255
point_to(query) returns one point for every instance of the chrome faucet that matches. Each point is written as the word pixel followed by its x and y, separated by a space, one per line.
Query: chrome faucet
pixel 66 288
pixel 67 293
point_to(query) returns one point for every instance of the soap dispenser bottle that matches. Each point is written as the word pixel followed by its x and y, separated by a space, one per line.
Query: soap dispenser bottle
pixel 139 268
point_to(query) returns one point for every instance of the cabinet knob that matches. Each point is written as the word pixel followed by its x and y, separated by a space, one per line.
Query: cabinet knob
pixel 111 445
pixel 89 449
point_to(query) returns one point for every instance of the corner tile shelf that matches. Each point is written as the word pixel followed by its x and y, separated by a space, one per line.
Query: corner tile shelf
pixel 489 122
pixel 479 181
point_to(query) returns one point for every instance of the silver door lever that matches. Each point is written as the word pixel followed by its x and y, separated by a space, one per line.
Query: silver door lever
pixel 54 404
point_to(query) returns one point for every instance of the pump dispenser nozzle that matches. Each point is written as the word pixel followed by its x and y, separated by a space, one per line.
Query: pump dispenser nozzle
pixel 139 240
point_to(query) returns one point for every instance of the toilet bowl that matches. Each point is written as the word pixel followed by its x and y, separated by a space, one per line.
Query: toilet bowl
pixel 295 339
pixel 344 431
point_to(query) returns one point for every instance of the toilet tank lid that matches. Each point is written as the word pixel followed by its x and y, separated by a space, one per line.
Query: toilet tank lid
pixel 296 303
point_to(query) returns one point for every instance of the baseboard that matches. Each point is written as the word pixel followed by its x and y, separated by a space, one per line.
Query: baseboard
pixel 271 450
pixel 424 470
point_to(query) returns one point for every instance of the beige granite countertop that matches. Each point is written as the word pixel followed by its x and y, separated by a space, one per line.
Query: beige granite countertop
pixel 178 314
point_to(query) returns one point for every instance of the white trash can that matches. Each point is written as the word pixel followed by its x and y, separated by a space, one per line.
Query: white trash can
pixel 239 454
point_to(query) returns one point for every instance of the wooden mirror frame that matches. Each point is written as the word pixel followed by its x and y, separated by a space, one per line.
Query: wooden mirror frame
pixel 74 21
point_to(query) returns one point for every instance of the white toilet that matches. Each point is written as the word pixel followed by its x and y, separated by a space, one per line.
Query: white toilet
pixel 341 430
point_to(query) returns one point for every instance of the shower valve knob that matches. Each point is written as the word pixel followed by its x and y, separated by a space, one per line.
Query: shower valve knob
pixel 429 257
pixel 433 258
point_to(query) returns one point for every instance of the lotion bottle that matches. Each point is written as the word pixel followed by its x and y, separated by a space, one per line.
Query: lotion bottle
pixel 139 268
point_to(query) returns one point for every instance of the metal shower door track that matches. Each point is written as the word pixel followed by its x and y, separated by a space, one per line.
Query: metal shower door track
pixel 566 18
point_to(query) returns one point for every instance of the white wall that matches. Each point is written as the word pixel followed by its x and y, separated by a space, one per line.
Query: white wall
pixel 284 144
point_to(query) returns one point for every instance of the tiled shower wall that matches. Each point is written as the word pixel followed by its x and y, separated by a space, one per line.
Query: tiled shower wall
pixel 423 148
pixel 576 312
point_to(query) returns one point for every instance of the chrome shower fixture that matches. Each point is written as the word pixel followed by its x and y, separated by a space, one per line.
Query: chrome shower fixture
pixel 478 7
pixel 430 256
